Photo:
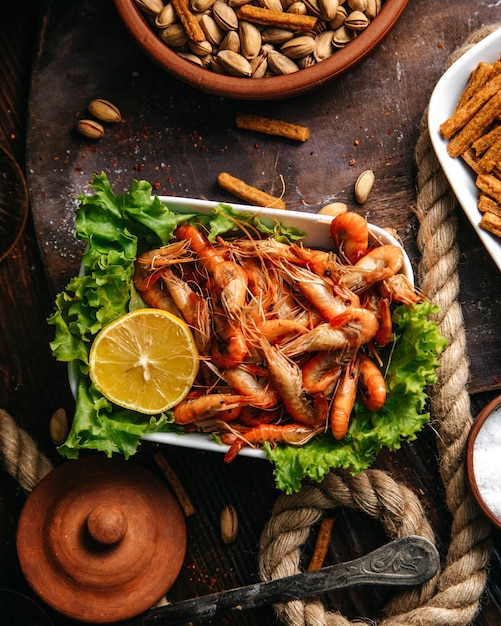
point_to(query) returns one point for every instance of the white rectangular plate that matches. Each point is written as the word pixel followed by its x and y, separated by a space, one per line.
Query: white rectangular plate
pixel 317 229
pixel 442 103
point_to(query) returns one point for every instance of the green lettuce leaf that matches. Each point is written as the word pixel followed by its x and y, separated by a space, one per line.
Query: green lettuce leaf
pixel 118 228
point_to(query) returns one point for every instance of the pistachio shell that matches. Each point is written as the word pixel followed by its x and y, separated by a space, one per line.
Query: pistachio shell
pixel 363 186
pixel 104 111
pixel 90 129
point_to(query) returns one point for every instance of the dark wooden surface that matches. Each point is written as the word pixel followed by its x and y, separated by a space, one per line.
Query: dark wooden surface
pixel 58 56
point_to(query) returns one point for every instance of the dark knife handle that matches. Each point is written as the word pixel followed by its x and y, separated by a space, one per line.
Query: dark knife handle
pixel 407 561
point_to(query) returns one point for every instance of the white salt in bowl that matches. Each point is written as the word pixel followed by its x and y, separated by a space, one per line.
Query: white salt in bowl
pixel 483 461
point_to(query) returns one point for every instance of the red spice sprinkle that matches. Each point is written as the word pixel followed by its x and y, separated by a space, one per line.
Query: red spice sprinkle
pixel 351 162
pixel 356 142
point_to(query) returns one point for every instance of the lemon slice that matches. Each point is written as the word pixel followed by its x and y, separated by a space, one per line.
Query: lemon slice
pixel 145 361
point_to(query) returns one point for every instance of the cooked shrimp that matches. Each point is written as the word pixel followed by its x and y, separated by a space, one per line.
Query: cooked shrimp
pixel 275 328
pixel 229 277
pixel 358 327
pixel 194 308
pixel 203 407
pixel 229 346
pixel 288 381
pixel 385 330
pixel 291 434
pixel 152 293
pixel 171 254
pixel 350 233
pixel 344 400
pixel 371 384
pixel 328 299
pixel 321 371
pixel 258 391
pixel 378 264
pixel 398 288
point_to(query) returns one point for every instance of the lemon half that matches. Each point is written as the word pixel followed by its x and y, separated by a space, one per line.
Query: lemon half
pixel 146 361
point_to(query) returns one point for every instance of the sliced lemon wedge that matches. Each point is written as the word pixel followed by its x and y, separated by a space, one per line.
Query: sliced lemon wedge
pixel 146 361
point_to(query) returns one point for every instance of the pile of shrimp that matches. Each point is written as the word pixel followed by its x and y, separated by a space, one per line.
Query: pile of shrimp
pixel 287 335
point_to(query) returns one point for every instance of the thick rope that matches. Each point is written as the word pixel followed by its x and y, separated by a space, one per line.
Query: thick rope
pixel 20 454
pixel 452 598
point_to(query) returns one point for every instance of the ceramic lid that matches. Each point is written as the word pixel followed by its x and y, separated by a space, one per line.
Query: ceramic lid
pixel 101 540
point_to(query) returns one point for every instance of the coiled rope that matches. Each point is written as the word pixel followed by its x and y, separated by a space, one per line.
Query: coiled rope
pixel 452 597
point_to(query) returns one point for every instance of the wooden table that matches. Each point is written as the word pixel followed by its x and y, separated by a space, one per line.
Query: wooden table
pixel 180 139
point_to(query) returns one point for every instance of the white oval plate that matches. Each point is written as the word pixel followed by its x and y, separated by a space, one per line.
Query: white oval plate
pixel 317 229
pixel 442 103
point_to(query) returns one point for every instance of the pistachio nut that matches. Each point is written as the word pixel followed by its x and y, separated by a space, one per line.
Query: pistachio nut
pixel 229 524
pixel 298 47
pixel 275 35
pixel 174 35
pixel 231 41
pixel 279 64
pixel 323 45
pixel 166 17
pixel 213 32
pixel 342 37
pixel 334 208
pixel 297 7
pixel 357 21
pixel 339 18
pixel 250 38
pixel 150 7
pixel 104 111
pixel 90 129
pixel 327 9
pixel 224 15
pixel 58 427
pixel 363 186
pixel 192 58
pixel 373 8
pixel 234 63
pixel 259 66
pixel 200 48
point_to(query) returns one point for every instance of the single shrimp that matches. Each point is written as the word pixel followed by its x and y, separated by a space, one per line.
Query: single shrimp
pixel 287 379
pixel 152 292
pixel 356 328
pixel 272 329
pixel 385 329
pixel 194 308
pixel 229 277
pixel 350 233
pixel 258 391
pixel 378 264
pixel 229 345
pixel 319 261
pixel 371 384
pixel 398 288
pixel 321 371
pixel 291 434
pixel 328 299
pixel 202 407
pixel 171 254
pixel 344 400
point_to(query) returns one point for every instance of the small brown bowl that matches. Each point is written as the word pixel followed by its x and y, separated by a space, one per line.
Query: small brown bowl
pixel 268 88
pixel 484 464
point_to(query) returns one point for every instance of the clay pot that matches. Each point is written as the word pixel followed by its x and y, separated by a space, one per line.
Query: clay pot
pixel 101 540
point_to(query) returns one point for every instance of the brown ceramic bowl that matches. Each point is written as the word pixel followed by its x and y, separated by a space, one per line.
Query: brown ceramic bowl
pixel 483 461
pixel 269 88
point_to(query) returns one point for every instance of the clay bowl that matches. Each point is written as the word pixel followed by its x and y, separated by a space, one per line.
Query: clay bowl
pixel 268 88
pixel 483 468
